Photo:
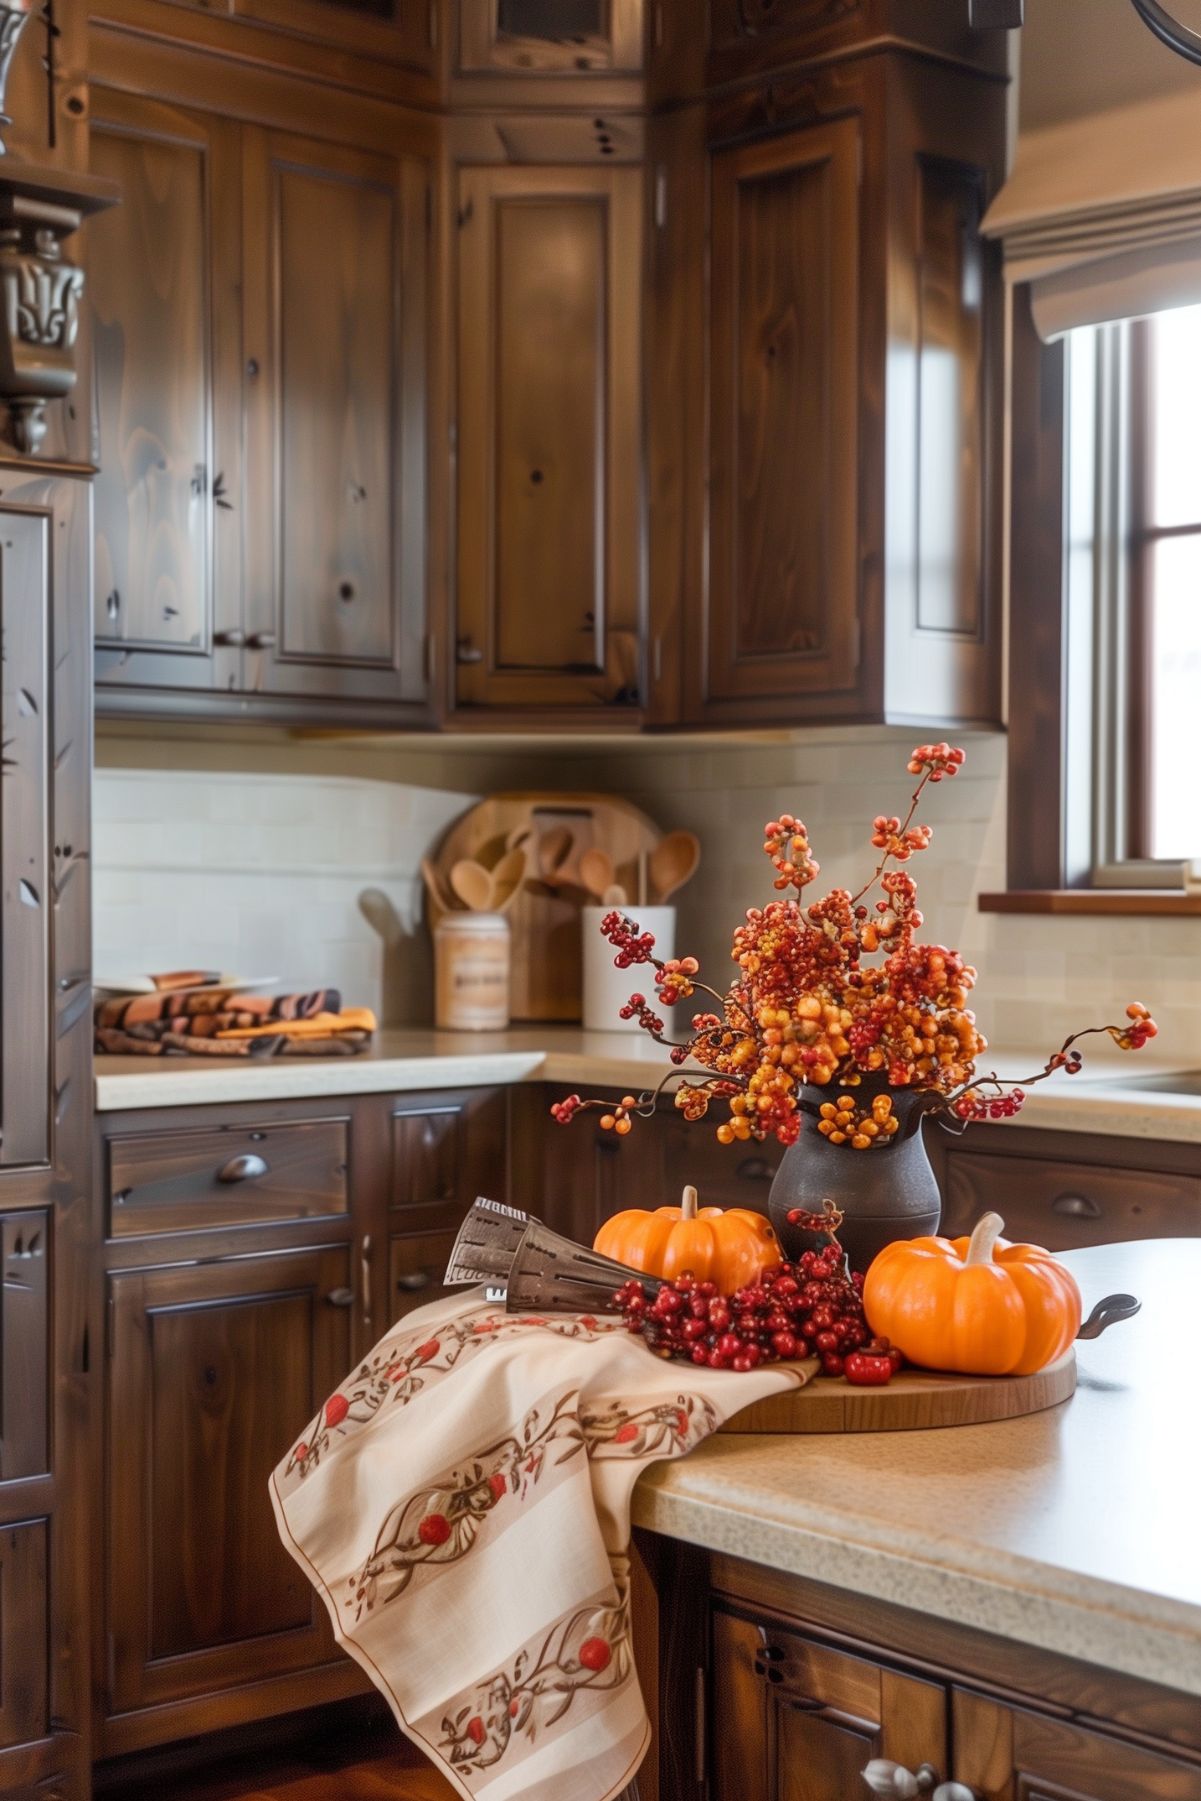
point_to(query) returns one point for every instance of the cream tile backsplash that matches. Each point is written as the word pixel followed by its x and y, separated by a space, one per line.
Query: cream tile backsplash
pixel 301 860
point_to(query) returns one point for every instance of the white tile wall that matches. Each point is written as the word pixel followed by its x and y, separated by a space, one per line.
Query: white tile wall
pixel 276 863
pixel 311 879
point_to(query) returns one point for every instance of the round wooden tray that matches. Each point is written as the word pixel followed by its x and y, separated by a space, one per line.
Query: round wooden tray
pixel 912 1400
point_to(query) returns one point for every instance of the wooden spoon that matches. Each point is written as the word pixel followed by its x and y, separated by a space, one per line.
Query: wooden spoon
pixel 596 872
pixel 673 862
pixel 473 884
pixel 554 848
pixel 508 875
pixel 434 887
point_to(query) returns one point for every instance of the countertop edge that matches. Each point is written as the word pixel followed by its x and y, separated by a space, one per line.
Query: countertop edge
pixel 1013 1607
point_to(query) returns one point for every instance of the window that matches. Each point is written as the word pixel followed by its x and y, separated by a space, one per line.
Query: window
pixel 1132 664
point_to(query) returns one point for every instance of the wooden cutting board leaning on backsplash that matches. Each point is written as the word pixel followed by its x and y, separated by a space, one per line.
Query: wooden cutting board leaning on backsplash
pixel 545 915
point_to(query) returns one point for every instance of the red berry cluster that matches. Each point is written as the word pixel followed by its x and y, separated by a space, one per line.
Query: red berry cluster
pixel 935 760
pixel 811 1308
pixel 631 945
pixel 673 979
pixel 1141 1027
pixel 566 1109
pixel 998 1106
pixel 888 835
pixel 786 842
pixel 648 1019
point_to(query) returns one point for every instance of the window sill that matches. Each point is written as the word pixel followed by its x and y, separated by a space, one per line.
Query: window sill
pixel 1152 901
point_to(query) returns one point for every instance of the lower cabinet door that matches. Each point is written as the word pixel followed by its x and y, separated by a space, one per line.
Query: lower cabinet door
pixel 24 1673
pixel 793 1720
pixel 214 1370
pixel 1005 1754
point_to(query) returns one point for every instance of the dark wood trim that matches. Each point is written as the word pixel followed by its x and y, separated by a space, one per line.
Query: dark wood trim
pixel 1154 901
pixel 1038 378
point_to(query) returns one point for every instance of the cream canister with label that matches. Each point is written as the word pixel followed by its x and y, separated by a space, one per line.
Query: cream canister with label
pixel 472 959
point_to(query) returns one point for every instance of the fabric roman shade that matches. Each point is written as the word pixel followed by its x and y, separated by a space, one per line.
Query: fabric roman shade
pixel 1102 211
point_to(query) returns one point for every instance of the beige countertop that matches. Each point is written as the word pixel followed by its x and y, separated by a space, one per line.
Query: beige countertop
pixel 1073 1530
pixel 1098 1100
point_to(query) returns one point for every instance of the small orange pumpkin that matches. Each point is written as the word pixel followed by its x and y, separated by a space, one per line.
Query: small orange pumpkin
pixel 977 1305
pixel 729 1248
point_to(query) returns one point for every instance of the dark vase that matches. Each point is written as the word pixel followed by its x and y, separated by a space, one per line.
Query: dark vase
pixel 886 1193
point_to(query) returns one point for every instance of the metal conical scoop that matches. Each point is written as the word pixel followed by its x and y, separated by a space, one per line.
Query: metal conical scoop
pixel 535 1267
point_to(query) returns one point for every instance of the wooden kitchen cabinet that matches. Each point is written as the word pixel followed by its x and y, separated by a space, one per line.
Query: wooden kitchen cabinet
pixel 797 1720
pixel 163 274
pixel 548 612
pixel 334 284
pixel 1006 1753
pixel 783 604
pixel 260 308
pixel 213 1370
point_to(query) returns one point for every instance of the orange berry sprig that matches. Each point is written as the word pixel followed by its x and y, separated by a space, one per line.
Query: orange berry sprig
pixel 827 993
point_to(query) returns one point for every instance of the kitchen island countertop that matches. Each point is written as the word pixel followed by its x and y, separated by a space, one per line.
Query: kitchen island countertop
pixel 1099 1100
pixel 1073 1530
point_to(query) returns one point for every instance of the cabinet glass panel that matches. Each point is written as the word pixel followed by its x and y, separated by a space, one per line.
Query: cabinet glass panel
pixel 556 20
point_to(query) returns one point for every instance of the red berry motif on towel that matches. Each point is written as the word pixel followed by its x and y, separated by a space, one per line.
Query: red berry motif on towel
pixel 302 1451
pixel 434 1529
pixel 498 1484
pixel 429 1349
pixel 625 1434
pixel 336 1409
pixel 475 1730
pixel 596 1654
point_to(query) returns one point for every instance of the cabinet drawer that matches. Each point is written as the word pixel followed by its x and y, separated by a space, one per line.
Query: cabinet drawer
pixel 1066 1205
pixel 234 1175
pixel 446 1151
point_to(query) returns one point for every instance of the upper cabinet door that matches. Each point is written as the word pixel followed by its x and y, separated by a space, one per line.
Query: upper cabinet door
pixel 163 289
pixel 26 870
pixel 568 37
pixel 781 634
pixel 335 296
pixel 549 441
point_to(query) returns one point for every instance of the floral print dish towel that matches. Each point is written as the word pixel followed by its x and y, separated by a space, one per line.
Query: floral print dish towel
pixel 462 1505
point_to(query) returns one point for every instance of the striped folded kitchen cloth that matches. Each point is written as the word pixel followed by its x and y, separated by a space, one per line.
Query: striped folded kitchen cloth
pixel 462 1505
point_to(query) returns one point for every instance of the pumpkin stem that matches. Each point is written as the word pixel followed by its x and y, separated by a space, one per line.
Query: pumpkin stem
pixel 688 1203
pixel 984 1237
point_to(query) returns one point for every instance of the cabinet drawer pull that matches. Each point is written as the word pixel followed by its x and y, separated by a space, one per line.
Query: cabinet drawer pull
pixel 1076 1206
pixel 414 1280
pixel 262 640
pixel 755 1169
pixel 340 1297
pixel 466 651
pixel 243 1169
pixel 883 1777
pixel 365 1280
pixel 232 639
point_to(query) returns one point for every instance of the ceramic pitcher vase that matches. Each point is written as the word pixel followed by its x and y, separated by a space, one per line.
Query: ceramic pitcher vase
pixel 886 1193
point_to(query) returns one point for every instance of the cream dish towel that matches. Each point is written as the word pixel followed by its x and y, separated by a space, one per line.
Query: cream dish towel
pixel 462 1505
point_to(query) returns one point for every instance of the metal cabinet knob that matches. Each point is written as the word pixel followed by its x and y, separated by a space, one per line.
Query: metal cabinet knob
pixel 893 1780
pixel 340 1297
pixel 233 639
pixel 243 1169
pixel 466 651
pixel 1076 1206
pixel 262 640
pixel 413 1280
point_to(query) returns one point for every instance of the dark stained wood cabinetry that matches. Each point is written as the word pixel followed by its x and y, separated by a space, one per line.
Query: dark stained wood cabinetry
pixel 163 288
pixel 45 1083
pixel 335 275
pixel 794 1719
pixel 260 310
pixel 784 463
pixel 212 1371
pixel 804 1685
pixel 550 36
pixel 549 610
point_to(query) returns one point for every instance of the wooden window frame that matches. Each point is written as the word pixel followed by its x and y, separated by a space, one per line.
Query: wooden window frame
pixel 1040 874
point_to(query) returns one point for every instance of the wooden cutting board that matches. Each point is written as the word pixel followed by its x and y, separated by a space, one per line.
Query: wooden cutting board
pixel 545 915
pixel 912 1401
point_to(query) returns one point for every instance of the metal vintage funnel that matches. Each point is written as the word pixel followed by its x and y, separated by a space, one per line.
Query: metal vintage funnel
pixel 532 1267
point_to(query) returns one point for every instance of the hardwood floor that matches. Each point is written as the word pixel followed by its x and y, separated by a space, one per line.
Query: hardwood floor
pixel 367 1761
